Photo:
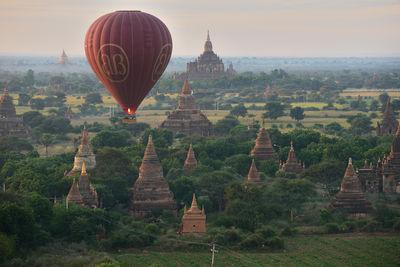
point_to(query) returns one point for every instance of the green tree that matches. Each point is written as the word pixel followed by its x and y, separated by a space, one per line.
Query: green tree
pixel 360 124
pixel 23 99
pixel 46 140
pixel 93 98
pixel 238 111
pixel 29 78
pixel 383 98
pixel 111 138
pixel 37 103
pixel 297 113
pixel 274 110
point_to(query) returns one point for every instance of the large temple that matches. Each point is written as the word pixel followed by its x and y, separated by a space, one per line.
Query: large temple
pixel 194 219
pixel 151 191
pixel 191 161
pixel 187 119
pixel 63 59
pixel 253 177
pixel 389 124
pixel 207 66
pixel 385 175
pixel 291 165
pixel 351 199
pixel 11 125
pixel 84 154
pixel 82 192
pixel 263 149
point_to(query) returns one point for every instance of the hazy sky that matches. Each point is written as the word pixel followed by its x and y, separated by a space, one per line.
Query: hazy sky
pixel 238 28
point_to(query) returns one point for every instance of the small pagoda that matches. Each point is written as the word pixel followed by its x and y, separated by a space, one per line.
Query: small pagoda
pixel 391 167
pixel 351 199
pixel 63 58
pixel 191 161
pixel 74 195
pixel 292 165
pixel 187 119
pixel 84 154
pixel 11 125
pixel 151 191
pixel 194 219
pixel 389 124
pixel 263 148
pixel 88 192
pixel 253 177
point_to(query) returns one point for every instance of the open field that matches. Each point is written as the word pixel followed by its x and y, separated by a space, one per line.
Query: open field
pixel 354 93
pixel 334 250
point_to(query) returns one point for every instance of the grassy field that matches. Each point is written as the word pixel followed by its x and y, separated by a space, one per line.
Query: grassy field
pixel 335 250
pixel 369 93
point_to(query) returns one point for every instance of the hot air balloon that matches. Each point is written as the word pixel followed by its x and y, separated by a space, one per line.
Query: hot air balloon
pixel 128 51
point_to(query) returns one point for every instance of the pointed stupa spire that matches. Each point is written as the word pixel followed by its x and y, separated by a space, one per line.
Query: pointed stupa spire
pixel 263 148
pixel 194 209
pixel 292 165
pixel 350 169
pixel 83 171
pixel 191 161
pixel 150 153
pixel 186 88
pixel 253 176
pixel 194 202
pixel 389 124
pixel 74 195
pixel 208 45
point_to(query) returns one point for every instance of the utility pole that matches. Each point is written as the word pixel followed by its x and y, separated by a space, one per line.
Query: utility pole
pixel 213 250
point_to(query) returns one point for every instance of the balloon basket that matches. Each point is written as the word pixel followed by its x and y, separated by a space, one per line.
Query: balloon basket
pixel 129 119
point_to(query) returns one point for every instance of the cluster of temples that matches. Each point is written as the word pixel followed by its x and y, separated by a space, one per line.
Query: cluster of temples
pixel 10 123
pixel 207 66
pixel 187 119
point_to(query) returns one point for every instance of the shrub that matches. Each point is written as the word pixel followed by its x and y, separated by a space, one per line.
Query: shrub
pixel 7 247
pixel 288 231
pixel 332 228
pixel 349 226
pixel 252 241
pixel 370 227
pixel 266 232
pixel 275 243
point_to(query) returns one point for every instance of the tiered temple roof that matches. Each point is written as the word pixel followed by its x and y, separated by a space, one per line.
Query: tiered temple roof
pixel 84 154
pixel 253 177
pixel 74 195
pixel 263 148
pixel 194 219
pixel 151 191
pixel 10 123
pixel 292 165
pixel 389 123
pixel 391 167
pixel 351 199
pixel 191 161
pixel 187 118
pixel 88 192
pixel 207 66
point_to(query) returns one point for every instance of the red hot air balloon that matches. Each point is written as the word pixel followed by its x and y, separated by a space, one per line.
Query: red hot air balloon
pixel 128 51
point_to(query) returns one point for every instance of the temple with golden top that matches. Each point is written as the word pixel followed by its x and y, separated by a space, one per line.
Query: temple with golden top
pixel 84 154
pixel 151 191
pixel 263 148
pixel 191 161
pixel 291 165
pixel 194 219
pixel 187 119
pixel 351 199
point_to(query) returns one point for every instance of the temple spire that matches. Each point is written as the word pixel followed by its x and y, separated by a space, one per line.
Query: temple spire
pixel 191 161
pixel 194 202
pixel 186 88
pixel 150 152
pixel 263 148
pixel 74 195
pixel 253 176
pixel 208 35
pixel 208 45
pixel 350 169
pixel 83 172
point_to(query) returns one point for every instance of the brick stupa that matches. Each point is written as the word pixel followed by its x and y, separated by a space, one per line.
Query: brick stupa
pixel 253 177
pixel 194 219
pixel 351 199
pixel 391 167
pixel 389 123
pixel 191 161
pixel 292 165
pixel 151 191
pixel 88 192
pixel 84 154
pixel 187 119
pixel 74 195
pixel 11 125
pixel 263 148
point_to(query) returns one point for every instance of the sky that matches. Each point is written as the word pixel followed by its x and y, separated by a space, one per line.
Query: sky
pixel 268 28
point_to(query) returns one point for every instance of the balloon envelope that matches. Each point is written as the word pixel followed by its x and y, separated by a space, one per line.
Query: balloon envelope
pixel 128 51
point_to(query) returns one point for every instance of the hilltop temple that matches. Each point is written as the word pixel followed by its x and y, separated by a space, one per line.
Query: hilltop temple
pixel 351 199
pixel 85 153
pixel 187 119
pixel 191 161
pixel 151 191
pixel 291 165
pixel 207 66
pixel 253 177
pixel 263 148
pixel 385 175
pixel 82 192
pixel 11 125
pixel 194 219
pixel 63 58
pixel 389 124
